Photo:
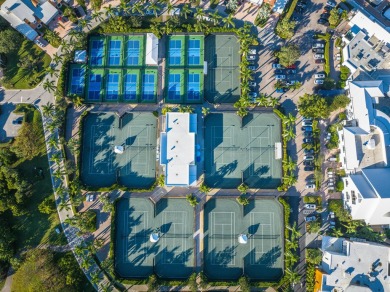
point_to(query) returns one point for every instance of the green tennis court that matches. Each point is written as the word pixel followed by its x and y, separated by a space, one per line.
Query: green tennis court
pixel 135 167
pixel 261 258
pixel 237 151
pixel 222 82
pixel 172 256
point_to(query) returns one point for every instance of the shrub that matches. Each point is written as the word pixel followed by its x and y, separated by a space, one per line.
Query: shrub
pixel 313 256
pixel 192 200
pixel 204 188
pixel 339 185
pixel 152 283
pixel 243 200
pixel 242 188
pixel 47 206
pixel 313 200
pixel 244 284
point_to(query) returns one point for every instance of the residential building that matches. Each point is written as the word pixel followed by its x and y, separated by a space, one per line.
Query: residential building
pixel 367 195
pixel 353 265
pixel 367 44
pixel 25 15
pixel 364 144
pixel 177 149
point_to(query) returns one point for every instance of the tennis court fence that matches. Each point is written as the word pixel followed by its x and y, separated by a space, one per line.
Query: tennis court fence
pixel 250 236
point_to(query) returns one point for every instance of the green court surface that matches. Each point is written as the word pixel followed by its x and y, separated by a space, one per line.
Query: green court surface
pixel 242 150
pixel 261 258
pixel 135 167
pixel 222 82
pixel 172 256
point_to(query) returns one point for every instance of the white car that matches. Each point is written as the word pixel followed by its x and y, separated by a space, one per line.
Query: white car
pixel 318 56
pixel 252 83
pixel 310 206
pixel 310 218
pixel 310 186
pixel 318 81
pixel 90 198
pixel 308 157
pixel 277 66
pixel 251 57
pixel 318 46
pixel 280 77
pixel 252 51
pixel 319 76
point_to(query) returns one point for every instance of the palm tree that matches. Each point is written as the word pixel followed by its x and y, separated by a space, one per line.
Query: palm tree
pixel 79 249
pixel 124 8
pixel 291 257
pixel 245 88
pixel 170 7
pixel 58 174
pixel 86 264
pixel 199 25
pixel 155 8
pixel 84 23
pixel 295 233
pixel 47 110
pixel 64 206
pixel 205 111
pixel 56 158
pixel 290 180
pixel 199 14
pixel 290 165
pixel 53 143
pixel 110 11
pixel 290 119
pixel 293 276
pixel 48 85
pixel 52 71
pixel 57 59
pixel 242 112
pixel 273 102
pixel 95 277
pixel 291 244
pixel 105 287
pixel 289 134
pixel 185 11
pixel 137 8
pixel 228 21
pixel 97 15
pixel 215 17
pixel 337 233
pixel 262 100
pixel 78 101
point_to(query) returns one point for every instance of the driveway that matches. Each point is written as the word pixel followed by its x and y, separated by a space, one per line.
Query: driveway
pixel 8 130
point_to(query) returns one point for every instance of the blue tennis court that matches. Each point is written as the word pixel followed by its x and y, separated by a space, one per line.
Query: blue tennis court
pixel 174 52
pixel 114 52
pixel 194 52
pixel 130 86
pixel 174 86
pixel 112 86
pixel 94 86
pixel 193 86
pixel 149 85
pixel 133 52
pixel 97 52
pixel 77 82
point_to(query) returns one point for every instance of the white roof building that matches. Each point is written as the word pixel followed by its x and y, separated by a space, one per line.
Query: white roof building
pixel 367 44
pixel 367 195
pixel 19 13
pixel 177 149
pixel 354 265
pixel 151 49
pixel 364 144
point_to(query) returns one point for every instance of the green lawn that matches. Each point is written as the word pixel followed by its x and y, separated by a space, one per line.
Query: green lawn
pixel 36 228
pixel 18 78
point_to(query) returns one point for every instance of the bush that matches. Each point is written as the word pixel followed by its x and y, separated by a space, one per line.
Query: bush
pixel 192 200
pixel 243 188
pixel 313 200
pixel 313 256
pixel 337 207
pixel 244 284
pixel 243 200
pixel 340 186
pixel 47 206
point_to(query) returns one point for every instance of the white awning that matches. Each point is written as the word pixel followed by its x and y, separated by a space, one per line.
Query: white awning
pixel 151 49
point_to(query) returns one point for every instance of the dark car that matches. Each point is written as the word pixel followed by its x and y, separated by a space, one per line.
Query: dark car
pixel 327 9
pixel 323 21
pixel 308 134
pixel 325 16
pixel 309 151
pixel 291 71
pixel 307 129
pixel 18 121
pixel 278 71
pixel 308 168
pixel 308 163
pixel 320 61
pixel 318 50
pixel 252 63
pixel 281 90
pixel 308 140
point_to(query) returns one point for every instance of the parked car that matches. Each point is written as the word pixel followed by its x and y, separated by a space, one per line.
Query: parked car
pixel 307 119
pixel 252 51
pixel 308 157
pixel 310 218
pixel 278 71
pixel 308 134
pixel 291 71
pixel 318 51
pixel 323 22
pixel 251 57
pixel 307 123
pixel 319 75
pixel 90 198
pixel 318 45
pixel 252 94
pixel 310 206
pixel 251 63
pixel 319 56
pixel 281 90
pixel 308 163
pixel 18 121
pixel 280 77
pixel 327 9
pixel 310 186
pixel 276 66
pixel 291 82
pixel 320 61
pixel 325 16
pixel 318 81
pixel 293 66
pixel 252 83
pixel 308 168
pixel 308 140
pixel 331 3
pixel 308 151
pixel 307 128
pixel 331 215
pixel 251 67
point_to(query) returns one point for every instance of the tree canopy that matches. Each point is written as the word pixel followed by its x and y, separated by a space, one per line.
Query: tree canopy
pixel 26 143
pixel 10 40
pixel 288 55
pixel 285 28
pixel 7 239
pixel 313 106
pixel 339 101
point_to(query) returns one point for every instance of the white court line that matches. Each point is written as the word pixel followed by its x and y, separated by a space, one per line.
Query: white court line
pixel 94 138
pixel 127 239
pixel 213 240
pixel 183 245
pixel 253 221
